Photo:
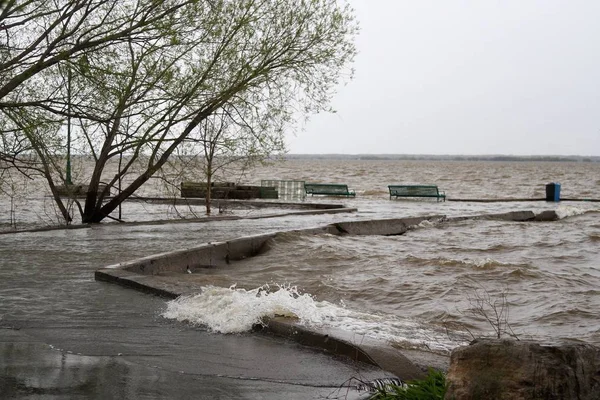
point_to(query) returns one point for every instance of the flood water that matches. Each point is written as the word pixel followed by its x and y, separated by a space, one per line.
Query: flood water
pixel 418 290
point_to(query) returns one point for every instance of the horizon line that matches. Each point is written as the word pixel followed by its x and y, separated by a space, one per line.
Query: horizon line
pixel 449 155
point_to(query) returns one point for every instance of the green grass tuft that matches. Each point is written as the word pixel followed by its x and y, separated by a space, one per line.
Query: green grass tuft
pixel 432 387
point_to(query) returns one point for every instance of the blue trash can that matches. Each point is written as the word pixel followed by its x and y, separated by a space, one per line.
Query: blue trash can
pixel 553 192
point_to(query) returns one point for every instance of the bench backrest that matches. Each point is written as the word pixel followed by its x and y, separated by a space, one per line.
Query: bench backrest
pixel 414 190
pixel 327 188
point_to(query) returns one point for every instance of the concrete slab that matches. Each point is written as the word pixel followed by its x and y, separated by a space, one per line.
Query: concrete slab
pixel 383 227
pixel 241 248
pixel 516 216
pixel 359 348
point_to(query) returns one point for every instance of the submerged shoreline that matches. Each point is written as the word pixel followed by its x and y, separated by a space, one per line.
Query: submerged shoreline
pixel 394 287
pixel 171 275
pixel 48 294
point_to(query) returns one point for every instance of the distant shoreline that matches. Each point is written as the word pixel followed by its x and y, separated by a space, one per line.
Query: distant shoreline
pixel 408 157
pixel 433 157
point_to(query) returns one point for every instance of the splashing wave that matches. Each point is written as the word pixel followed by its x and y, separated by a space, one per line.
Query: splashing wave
pixel 235 310
pixel 564 211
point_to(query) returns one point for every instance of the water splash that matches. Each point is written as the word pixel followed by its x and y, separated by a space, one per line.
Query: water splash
pixel 234 310
pixel 564 211
pixel 483 263
pixel 424 224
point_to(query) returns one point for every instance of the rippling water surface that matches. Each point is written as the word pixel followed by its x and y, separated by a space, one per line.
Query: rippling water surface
pixel 419 289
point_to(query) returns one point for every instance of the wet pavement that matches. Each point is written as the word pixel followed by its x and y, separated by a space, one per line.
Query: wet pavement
pixel 65 336
pixel 144 360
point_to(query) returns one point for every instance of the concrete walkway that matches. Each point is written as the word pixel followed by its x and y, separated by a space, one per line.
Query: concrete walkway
pixel 65 336
pixel 150 360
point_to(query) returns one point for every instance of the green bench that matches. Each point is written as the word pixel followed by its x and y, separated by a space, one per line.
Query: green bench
pixel 416 191
pixel 328 189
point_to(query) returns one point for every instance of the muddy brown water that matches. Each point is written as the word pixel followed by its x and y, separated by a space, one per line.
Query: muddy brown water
pixel 402 288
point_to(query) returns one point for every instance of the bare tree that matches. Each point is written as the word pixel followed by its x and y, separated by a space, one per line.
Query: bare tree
pixel 227 140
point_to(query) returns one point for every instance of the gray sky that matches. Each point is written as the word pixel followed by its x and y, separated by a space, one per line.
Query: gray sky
pixel 467 77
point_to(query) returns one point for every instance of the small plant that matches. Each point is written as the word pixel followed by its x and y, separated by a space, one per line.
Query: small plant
pixel 495 311
pixel 488 308
pixel 432 387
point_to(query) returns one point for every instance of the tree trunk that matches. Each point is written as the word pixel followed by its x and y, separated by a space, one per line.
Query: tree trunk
pixel 208 186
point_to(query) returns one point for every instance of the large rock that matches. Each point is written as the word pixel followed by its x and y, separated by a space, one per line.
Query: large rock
pixel 507 369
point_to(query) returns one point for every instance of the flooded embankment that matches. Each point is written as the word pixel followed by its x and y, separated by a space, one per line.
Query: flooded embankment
pixel 413 290
pixel 64 334
pixel 202 279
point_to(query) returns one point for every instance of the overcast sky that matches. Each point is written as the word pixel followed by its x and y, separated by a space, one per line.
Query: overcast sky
pixel 467 77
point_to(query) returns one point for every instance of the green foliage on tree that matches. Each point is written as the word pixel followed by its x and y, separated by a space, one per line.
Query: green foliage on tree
pixel 138 80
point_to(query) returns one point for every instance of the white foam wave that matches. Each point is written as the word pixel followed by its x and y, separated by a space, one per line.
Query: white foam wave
pixel 479 263
pixel 564 211
pixel 426 223
pixel 486 263
pixel 483 263
pixel 233 310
